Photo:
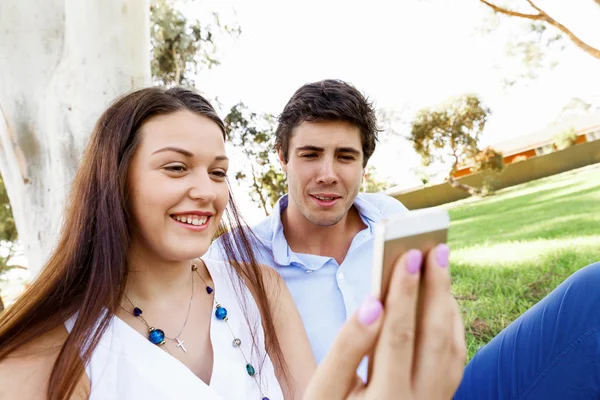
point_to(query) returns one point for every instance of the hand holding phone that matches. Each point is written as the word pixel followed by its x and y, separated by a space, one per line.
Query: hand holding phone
pixel 419 229
pixel 415 340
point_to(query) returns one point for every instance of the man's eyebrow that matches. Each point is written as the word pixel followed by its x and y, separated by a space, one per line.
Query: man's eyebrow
pixel 350 150
pixel 347 150
pixel 311 148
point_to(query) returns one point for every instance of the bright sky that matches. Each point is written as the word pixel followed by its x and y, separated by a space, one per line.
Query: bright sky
pixel 404 55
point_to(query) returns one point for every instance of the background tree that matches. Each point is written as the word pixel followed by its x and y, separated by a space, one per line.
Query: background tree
pixel 541 35
pixel 180 46
pixel 449 134
pixel 488 159
pixel 253 135
pixel 576 106
pixel 565 139
pixel 8 235
pixel 61 66
pixel 85 53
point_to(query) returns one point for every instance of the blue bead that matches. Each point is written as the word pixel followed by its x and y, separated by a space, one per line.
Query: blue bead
pixel 156 336
pixel 250 370
pixel 209 290
pixel 221 313
pixel 265 398
pixel 137 311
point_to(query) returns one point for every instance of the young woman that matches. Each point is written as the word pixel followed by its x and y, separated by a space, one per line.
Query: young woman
pixel 124 308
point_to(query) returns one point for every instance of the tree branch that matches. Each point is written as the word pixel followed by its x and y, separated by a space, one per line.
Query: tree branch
pixel 498 9
pixel 258 190
pixel 551 21
pixel 177 67
pixel 543 16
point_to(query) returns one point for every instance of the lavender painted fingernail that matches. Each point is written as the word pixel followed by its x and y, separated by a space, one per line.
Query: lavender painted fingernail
pixel 414 259
pixel 442 255
pixel 369 311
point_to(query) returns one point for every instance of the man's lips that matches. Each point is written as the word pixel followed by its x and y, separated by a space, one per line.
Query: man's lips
pixel 325 201
pixel 326 196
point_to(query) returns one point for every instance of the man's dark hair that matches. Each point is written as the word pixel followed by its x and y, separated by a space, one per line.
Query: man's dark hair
pixel 328 100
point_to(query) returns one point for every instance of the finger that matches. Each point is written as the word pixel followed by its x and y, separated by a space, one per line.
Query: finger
pixel 460 347
pixel 436 323
pixel 356 338
pixel 459 332
pixel 393 357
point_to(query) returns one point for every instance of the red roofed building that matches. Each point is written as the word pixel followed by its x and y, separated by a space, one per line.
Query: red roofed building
pixel 541 142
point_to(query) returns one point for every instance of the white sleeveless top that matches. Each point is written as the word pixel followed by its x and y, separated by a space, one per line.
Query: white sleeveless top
pixel 125 365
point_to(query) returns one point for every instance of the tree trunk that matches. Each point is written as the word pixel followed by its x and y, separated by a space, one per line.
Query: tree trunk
pixel 61 63
pixel 177 80
pixel 469 189
pixel 454 183
pixel 258 190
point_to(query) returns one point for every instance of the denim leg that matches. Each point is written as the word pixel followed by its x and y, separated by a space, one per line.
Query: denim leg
pixel 552 351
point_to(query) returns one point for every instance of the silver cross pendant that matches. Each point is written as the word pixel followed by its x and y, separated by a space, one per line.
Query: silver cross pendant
pixel 180 344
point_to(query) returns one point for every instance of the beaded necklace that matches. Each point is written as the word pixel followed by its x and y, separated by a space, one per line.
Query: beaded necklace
pixel 221 314
pixel 157 336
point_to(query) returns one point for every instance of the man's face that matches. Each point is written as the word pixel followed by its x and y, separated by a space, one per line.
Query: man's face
pixel 324 170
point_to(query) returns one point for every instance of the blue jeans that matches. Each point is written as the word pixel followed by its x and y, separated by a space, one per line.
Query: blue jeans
pixel 552 351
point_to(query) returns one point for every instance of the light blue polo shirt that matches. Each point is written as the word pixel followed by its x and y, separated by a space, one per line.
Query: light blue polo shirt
pixel 326 293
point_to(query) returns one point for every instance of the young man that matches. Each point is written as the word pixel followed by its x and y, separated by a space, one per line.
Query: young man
pixel 320 235
pixel 319 238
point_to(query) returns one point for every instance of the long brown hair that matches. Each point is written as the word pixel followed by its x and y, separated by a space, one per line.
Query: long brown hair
pixel 88 270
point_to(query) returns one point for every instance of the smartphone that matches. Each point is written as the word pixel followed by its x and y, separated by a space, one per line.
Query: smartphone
pixel 418 229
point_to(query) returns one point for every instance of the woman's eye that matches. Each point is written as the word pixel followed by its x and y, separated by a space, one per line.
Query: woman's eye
pixel 220 174
pixel 175 168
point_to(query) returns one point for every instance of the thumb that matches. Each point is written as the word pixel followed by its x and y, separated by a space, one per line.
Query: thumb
pixel 356 338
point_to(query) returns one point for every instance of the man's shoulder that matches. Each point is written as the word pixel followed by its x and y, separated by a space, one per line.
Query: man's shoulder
pixel 264 228
pixel 387 205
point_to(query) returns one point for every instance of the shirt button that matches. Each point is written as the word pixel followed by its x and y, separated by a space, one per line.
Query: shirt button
pixel 309 271
pixel 341 275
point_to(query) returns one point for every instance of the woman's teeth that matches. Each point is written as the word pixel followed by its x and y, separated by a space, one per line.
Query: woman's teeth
pixel 191 219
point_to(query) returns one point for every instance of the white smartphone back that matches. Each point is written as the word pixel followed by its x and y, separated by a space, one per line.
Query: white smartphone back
pixel 418 229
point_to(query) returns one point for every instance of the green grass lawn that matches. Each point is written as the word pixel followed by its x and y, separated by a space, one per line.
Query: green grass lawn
pixel 511 249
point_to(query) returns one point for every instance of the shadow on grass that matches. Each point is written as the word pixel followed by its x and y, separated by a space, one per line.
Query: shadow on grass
pixel 568 185
pixel 576 214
